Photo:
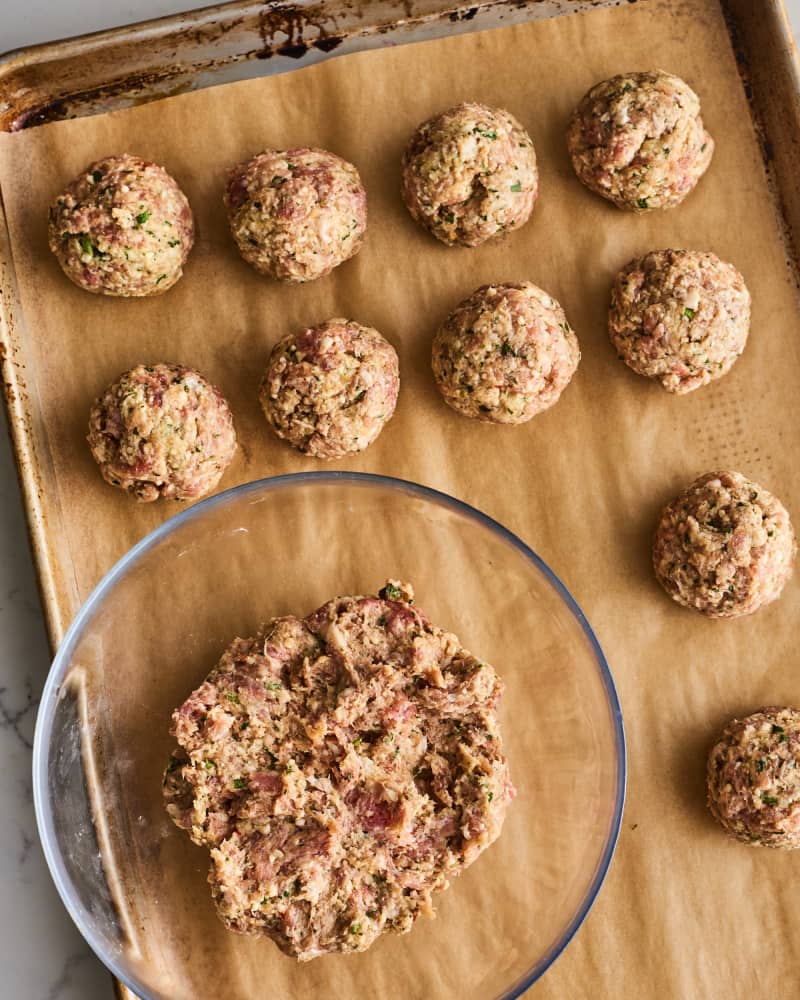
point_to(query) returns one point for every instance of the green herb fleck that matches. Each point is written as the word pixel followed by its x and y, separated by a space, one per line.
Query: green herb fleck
pixel 665 150
pixel 488 134
pixel 232 696
pixel 273 685
pixel 382 621
pixel 355 929
pixel 688 313
pixel 172 243
pixel 769 800
pixel 160 278
pixel 777 729
pixel 209 765
pixel 392 592
pixel 357 741
pixel 276 182
pixel 240 782
pixel 641 202
pixel 86 243
pixel 142 217
pixel 627 87
pixel 507 350
pixel 760 765
pixel 703 147
pixel 97 176
pixel 449 217
pixel 516 187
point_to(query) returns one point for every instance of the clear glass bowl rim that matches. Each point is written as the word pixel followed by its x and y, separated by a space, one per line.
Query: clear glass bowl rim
pixel 62 659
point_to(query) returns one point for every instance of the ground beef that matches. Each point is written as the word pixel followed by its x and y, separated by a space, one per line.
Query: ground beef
pixel 679 316
pixel 330 389
pixel 296 214
pixel 122 227
pixel 754 778
pixel 505 354
pixel 342 768
pixel 162 431
pixel 470 174
pixel 638 140
pixel 725 546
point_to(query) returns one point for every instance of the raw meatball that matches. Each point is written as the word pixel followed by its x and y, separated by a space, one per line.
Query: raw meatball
pixel 724 546
pixel 329 390
pixel 505 354
pixel 639 140
pixel 754 778
pixel 296 214
pixel 122 227
pixel 679 316
pixel 162 431
pixel 342 768
pixel 469 174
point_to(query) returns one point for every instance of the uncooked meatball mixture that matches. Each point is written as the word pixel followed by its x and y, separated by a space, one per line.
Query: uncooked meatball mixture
pixel 725 546
pixel 470 174
pixel 342 768
pixel 505 354
pixel 329 390
pixel 122 227
pixel 162 431
pixel 679 316
pixel 296 214
pixel 638 140
pixel 754 778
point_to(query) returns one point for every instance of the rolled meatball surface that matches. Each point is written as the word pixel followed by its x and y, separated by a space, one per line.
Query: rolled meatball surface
pixel 329 390
pixel 504 354
pixel 724 547
pixel 122 227
pixel 162 431
pixel 679 316
pixel 638 139
pixel 470 174
pixel 754 778
pixel 296 214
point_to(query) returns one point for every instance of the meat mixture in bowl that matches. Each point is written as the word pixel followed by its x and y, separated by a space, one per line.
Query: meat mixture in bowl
pixel 341 768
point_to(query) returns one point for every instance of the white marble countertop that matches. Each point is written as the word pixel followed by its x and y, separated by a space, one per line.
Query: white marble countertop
pixel 42 956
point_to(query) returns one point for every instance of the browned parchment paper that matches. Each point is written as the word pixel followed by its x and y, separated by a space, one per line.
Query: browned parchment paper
pixel 684 912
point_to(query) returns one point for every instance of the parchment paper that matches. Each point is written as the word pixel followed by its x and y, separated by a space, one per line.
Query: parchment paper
pixel 685 912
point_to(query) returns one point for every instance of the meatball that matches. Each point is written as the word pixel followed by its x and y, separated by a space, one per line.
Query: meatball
pixel 329 390
pixel 679 316
pixel 725 546
pixel 505 354
pixel 754 778
pixel 469 174
pixel 122 227
pixel 296 214
pixel 162 431
pixel 638 140
pixel 341 768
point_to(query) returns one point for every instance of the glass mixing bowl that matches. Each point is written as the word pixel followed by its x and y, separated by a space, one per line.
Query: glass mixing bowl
pixel 136 886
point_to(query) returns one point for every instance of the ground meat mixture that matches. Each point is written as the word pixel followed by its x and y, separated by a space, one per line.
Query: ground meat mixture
pixel 296 214
pixel 505 354
pixel 122 227
pixel 725 546
pixel 162 431
pixel 342 768
pixel 679 316
pixel 330 389
pixel 639 140
pixel 754 778
pixel 470 174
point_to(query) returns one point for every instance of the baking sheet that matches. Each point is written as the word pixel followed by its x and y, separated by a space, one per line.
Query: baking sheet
pixel 684 912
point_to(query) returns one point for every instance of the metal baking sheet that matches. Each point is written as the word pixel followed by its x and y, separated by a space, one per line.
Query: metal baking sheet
pixel 128 66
